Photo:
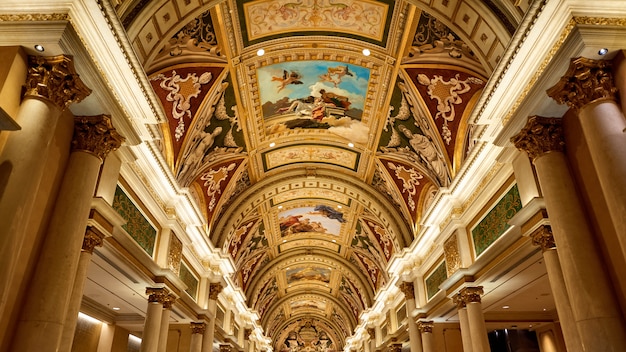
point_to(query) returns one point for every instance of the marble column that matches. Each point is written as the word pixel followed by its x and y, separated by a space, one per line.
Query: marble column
pixel 197 330
pixel 414 335
pixel 543 237
pixel 52 85
pixel 157 296
pixel 592 298
pixel 93 238
pixel 428 340
pixel 476 318
pixel 165 322
pixel 466 337
pixel 207 341
pixel 43 313
pixel 588 87
pixel 372 333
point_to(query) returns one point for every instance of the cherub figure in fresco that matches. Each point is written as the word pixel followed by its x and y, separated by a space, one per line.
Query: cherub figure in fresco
pixel 426 149
pixel 287 79
pixel 328 212
pixel 335 74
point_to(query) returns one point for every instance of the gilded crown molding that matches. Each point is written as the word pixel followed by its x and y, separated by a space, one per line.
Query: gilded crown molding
pixel 17 17
pixel 95 135
pixel 540 135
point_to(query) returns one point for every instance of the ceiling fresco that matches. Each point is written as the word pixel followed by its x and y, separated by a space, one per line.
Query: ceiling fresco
pixel 313 163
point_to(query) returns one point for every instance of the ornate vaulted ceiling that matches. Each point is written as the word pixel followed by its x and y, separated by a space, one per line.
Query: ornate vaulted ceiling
pixel 314 163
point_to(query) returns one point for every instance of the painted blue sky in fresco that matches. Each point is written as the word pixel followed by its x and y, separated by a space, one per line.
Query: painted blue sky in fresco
pixel 309 72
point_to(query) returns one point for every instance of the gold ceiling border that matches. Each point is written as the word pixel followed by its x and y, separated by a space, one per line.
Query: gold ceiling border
pixel 34 17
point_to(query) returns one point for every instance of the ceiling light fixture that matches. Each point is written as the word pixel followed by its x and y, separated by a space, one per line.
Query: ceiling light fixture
pixel 272 145
pixel 260 52
pixel 366 52
pixel 116 308
pixel 339 207
pixel 603 51
pixel 280 207
pixel 505 307
pixel 351 145
pixel 39 48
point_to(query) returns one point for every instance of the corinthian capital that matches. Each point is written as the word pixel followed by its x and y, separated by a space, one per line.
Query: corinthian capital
pixel 540 135
pixel 408 290
pixel 92 239
pixel 169 301
pixel 543 237
pixel 425 326
pixel 215 288
pixel 55 80
pixel 157 294
pixel 471 294
pixel 95 135
pixel 585 82
pixel 197 328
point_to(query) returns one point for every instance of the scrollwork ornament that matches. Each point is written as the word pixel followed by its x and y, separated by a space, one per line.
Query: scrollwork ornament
pixel 543 237
pixel 586 81
pixel 95 135
pixel 54 79
pixel 197 328
pixel 540 135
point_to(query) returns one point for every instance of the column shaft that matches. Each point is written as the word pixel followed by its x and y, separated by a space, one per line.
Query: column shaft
pixel 466 336
pixel 590 292
pixel 152 327
pixel 478 330
pixel 429 342
pixel 196 343
pixel 43 314
pixel 164 329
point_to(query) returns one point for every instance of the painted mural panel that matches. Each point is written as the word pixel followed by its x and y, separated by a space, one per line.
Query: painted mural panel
pixel 311 153
pixel 270 17
pixel 189 279
pixel 314 94
pixel 436 278
pixel 137 226
pixel 308 273
pixel 495 223
pixel 320 218
pixel 307 304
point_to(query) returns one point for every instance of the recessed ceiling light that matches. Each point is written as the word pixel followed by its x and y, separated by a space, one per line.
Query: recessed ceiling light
pixel 334 241
pixel 505 307
pixel 284 241
pixel 116 308
pixel 545 309
pixel 366 52
pixel 39 48
pixel 339 207
pixel 350 144
pixel 272 145
pixel 603 51
pixel 260 52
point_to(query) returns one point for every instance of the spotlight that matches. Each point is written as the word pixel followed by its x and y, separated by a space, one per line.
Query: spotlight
pixel 366 52
pixel 39 48
pixel 260 52
pixel 603 51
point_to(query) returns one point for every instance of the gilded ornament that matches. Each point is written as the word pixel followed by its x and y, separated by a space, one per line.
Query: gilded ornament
pixel 95 135
pixel 471 294
pixel 169 301
pixel 371 332
pixel 92 240
pixel 540 135
pixel 197 328
pixel 396 347
pixel 543 237
pixel 54 79
pixel 452 256
pixel 225 348
pixel 408 290
pixel 214 290
pixel 157 294
pixel 425 326
pixel 459 301
pixel 586 81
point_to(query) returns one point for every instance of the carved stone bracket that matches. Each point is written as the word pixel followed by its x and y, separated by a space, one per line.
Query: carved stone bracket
pixel 585 82
pixel 408 290
pixel 540 135
pixel 157 294
pixel 215 288
pixel 543 237
pixel 197 328
pixel 95 135
pixel 54 79
pixel 92 239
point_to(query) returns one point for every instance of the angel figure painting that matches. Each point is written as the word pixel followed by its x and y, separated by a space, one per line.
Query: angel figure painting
pixel 314 94
pixel 320 219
